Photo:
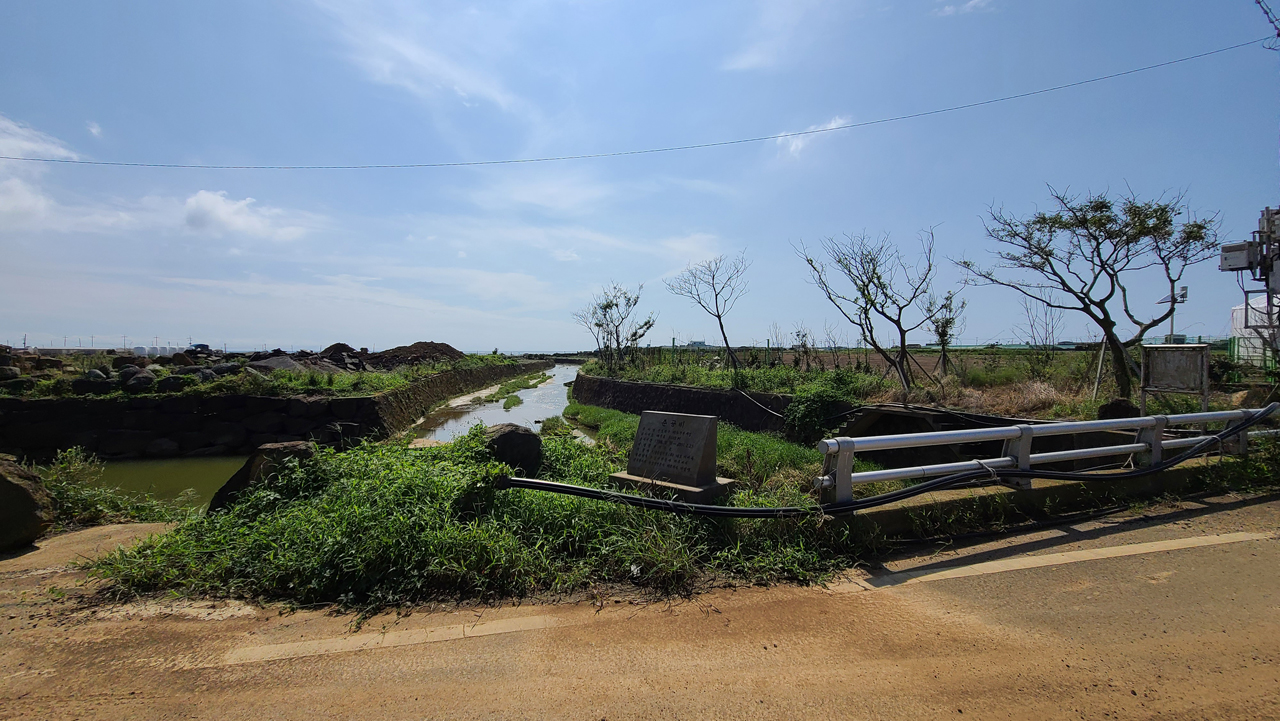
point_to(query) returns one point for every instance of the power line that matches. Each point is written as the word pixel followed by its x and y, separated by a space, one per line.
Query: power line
pixel 649 151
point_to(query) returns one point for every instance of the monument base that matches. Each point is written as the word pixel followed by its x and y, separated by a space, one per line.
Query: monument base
pixel 690 494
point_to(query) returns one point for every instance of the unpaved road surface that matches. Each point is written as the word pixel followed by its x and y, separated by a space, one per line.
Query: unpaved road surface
pixel 1173 615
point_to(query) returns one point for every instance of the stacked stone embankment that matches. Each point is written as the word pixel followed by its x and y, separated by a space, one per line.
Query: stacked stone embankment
pixel 186 425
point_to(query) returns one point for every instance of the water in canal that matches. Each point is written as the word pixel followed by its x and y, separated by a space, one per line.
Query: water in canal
pixel 548 399
pixel 168 478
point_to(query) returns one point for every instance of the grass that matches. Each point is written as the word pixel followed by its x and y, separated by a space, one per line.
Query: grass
pixel 72 479
pixel 382 525
pixel 284 383
pixel 507 391
pixel 511 402
pixel 777 379
pixel 760 460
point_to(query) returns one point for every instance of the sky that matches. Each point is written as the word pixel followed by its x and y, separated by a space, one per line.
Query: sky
pixel 500 256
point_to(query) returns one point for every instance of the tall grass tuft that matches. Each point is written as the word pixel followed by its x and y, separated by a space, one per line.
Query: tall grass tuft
pixel 72 479
pixel 385 525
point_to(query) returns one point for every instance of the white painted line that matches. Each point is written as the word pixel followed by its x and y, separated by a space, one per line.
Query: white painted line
pixel 365 642
pixel 903 578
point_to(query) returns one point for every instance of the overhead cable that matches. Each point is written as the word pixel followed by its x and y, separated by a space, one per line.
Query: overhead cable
pixel 646 151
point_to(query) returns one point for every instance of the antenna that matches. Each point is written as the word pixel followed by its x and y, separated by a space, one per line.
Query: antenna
pixel 1260 257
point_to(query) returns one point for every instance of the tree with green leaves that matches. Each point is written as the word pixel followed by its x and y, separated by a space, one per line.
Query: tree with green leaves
pixel 611 320
pixel 1090 253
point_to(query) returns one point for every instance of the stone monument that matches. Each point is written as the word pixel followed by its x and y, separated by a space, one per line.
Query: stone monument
pixel 675 452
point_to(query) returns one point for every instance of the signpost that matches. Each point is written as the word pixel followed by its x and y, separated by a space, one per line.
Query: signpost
pixel 675 452
pixel 1175 369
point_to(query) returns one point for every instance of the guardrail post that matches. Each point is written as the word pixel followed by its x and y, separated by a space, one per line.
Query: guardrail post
pixel 1019 449
pixel 1154 438
pixel 836 483
pixel 1237 445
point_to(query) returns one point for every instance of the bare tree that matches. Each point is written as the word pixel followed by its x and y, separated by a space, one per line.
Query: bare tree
pixel 610 318
pixel 834 336
pixel 946 323
pixel 885 289
pixel 1040 334
pixel 715 285
pixel 1084 256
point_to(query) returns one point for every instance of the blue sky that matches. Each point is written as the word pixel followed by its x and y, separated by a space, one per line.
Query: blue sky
pixel 500 256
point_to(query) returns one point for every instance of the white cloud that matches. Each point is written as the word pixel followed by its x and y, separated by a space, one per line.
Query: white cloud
pixel 796 143
pixel 22 141
pixel 94 129
pixel 965 7
pixel 772 34
pixel 427 53
pixel 555 192
pixel 217 214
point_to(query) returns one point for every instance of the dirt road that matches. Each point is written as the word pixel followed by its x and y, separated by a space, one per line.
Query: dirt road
pixel 1174 615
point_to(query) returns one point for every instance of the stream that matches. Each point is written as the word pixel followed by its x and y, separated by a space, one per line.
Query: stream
pixel 168 478
pixel 455 419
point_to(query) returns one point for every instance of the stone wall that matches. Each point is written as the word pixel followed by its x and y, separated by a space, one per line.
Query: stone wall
pixel 225 425
pixel 741 409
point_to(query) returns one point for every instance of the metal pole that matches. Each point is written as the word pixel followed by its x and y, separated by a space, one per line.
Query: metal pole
pixel 1097 378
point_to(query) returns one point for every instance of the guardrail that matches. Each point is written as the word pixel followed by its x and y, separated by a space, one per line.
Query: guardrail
pixel 836 483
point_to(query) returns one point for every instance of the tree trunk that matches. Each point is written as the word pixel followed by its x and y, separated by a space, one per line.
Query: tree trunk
pixel 1119 364
pixel 733 357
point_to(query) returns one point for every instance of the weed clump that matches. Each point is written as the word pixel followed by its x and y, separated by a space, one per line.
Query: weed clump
pixel 385 525
pixel 72 479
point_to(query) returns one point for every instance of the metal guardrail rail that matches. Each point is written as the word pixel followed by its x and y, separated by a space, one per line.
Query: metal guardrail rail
pixel 836 483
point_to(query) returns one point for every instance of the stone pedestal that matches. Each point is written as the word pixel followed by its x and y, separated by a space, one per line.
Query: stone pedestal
pixel 675 452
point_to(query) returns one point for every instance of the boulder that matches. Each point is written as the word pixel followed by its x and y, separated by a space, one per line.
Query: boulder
pixel 105 370
pixel 173 384
pixel 120 361
pixel 126 372
pixel 140 381
pixel 95 375
pixel 226 369
pixel 260 465
pixel 204 375
pixel 92 386
pixel 8 373
pixel 18 385
pixel 516 446
pixel 26 508
pixel 48 364
pixel 182 359
pixel 276 363
pixel 1118 408
pixel 186 370
pixel 162 447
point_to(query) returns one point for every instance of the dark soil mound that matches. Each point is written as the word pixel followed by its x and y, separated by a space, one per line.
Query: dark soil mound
pixel 338 348
pixel 420 352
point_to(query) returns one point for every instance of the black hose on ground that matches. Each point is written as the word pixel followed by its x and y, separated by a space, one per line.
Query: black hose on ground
pixel 861 504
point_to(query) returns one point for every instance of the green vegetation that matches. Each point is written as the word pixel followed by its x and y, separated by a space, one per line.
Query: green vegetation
pixel 758 459
pixel 383 525
pixel 847 381
pixel 72 479
pixel 507 391
pixel 282 383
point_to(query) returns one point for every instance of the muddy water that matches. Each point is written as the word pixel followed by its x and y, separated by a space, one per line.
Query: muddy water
pixel 542 402
pixel 167 479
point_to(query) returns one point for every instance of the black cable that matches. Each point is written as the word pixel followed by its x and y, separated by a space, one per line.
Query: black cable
pixel 859 504
pixel 648 151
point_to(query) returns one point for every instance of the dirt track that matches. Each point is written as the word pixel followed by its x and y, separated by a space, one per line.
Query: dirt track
pixel 1186 633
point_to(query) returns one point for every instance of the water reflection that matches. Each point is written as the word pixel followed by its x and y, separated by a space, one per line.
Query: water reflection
pixel 167 479
pixel 542 402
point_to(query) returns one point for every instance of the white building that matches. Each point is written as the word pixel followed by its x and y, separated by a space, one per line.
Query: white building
pixel 1249 345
